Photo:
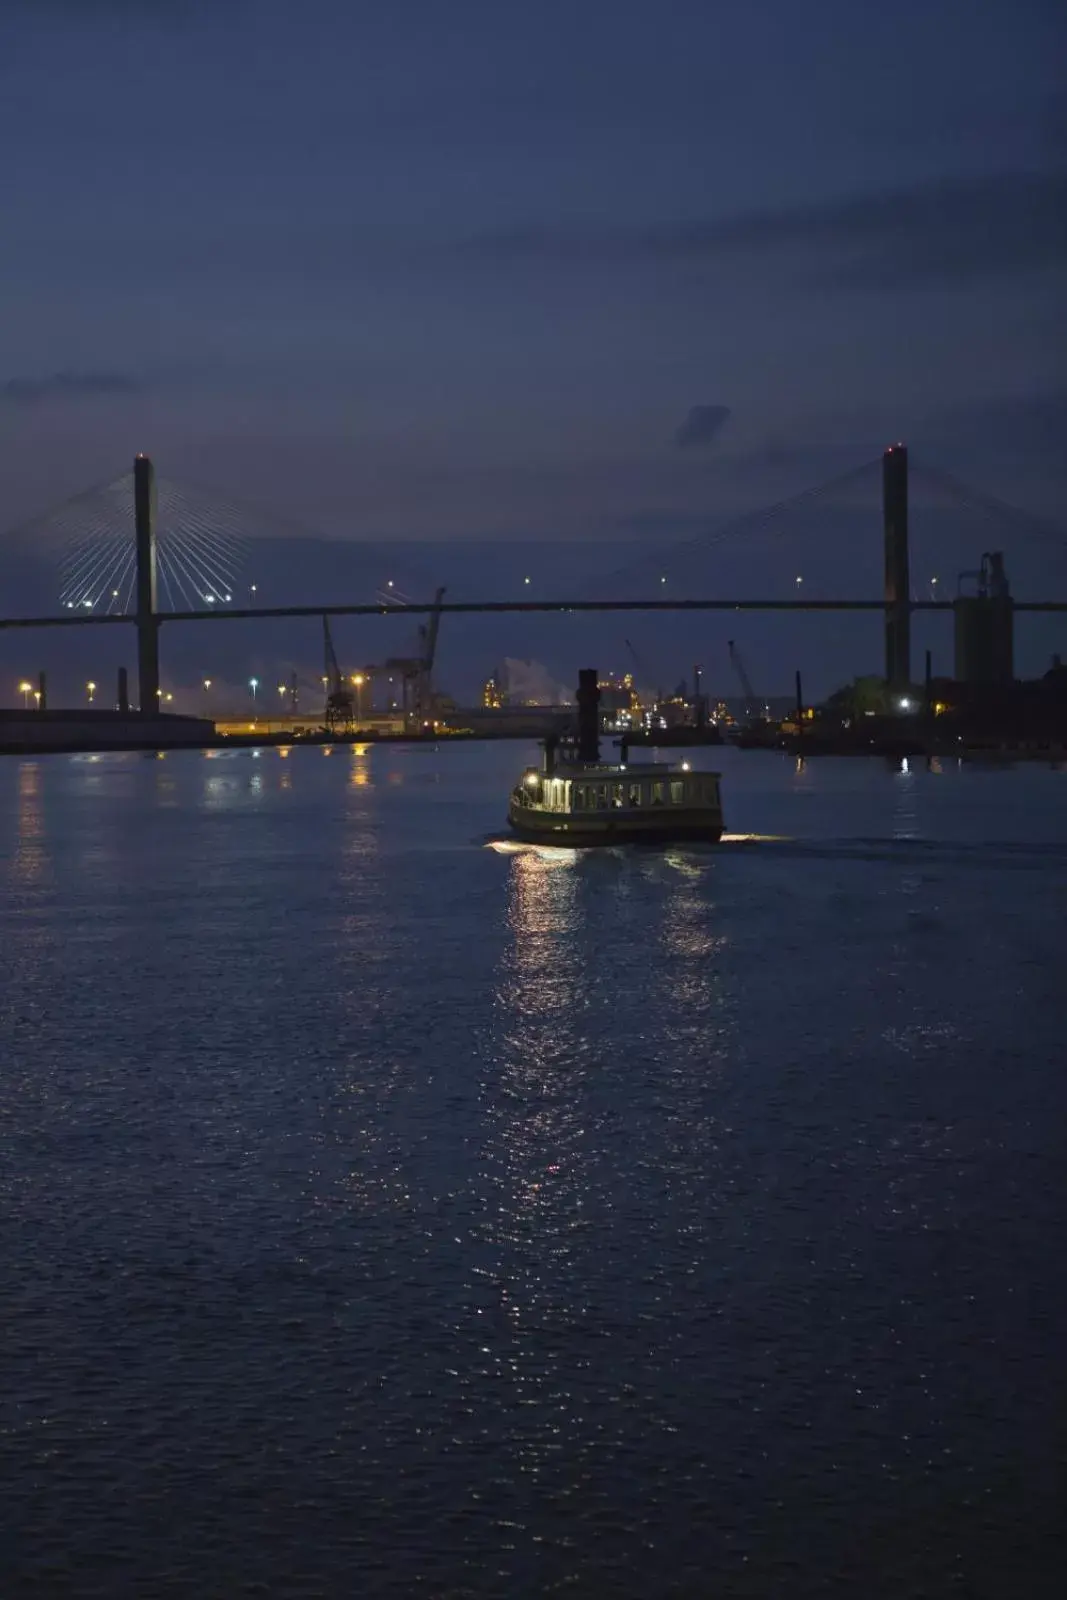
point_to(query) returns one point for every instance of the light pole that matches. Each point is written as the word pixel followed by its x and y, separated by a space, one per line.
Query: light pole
pixel 358 681
pixel 25 690
pixel 251 594
pixel 91 690
pixel 253 684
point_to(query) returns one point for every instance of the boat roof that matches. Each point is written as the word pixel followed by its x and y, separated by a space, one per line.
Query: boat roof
pixel 619 769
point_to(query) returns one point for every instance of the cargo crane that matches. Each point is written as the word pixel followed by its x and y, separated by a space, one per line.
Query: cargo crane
pixel 416 672
pixel 751 702
pixel 340 702
pixel 758 731
pixel 642 668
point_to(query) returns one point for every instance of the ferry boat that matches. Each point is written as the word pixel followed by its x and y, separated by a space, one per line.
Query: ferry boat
pixel 576 799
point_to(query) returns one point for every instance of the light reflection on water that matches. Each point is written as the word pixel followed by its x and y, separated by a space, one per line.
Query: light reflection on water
pixel 31 856
pixel 394 1215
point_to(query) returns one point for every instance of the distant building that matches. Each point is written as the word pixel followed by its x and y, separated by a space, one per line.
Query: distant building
pixel 620 705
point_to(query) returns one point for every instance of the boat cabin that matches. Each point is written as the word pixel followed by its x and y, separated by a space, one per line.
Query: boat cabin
pixel 616 788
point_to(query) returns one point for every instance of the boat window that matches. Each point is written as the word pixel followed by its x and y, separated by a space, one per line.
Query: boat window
pixel 659 793
pixel 578 797
pixel 617 795
pixel 677 791
pixel 634 798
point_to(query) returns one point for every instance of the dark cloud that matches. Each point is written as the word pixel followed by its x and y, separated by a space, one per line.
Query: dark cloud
pixel 702 426
pixel 941 233
pixel 65 386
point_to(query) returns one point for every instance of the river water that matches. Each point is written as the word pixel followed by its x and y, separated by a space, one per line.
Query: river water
pixel 383 1214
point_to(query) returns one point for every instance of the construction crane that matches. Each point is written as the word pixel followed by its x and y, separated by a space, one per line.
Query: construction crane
pixel 340 702
pixel 642 668
pixel 416 672
pixel 752 705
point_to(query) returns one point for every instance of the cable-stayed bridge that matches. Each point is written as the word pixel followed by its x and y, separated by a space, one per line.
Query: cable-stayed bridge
pixel 152 551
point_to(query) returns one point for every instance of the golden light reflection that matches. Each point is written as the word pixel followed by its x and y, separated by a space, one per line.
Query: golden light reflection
pixel 27 920
pixel 359 777
pixel 31 857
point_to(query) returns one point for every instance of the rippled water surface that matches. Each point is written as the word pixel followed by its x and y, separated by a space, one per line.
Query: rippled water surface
pixel 382 1214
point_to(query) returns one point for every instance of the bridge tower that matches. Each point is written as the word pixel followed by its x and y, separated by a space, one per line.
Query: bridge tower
pixel 144 513
pixel 897 576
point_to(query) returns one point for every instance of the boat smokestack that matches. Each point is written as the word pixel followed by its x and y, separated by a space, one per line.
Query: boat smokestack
pixel 588 698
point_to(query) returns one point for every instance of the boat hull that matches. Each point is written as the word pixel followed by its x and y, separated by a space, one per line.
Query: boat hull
pixel 582 832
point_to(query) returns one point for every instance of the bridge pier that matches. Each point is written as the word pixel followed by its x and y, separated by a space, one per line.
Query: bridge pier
pixel 144 512
pixel 897 575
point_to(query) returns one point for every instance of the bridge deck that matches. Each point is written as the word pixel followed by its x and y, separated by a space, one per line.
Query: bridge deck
pixel 467 607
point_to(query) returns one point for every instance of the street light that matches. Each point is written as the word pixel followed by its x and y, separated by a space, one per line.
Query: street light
pixel 253 684
pixel 283 689
pixel 91 687
pixel 207 685
pixel 25 690
pixel 252 594
pixel 800 580
pixel 359 680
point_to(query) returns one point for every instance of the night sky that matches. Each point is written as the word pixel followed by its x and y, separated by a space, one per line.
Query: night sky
pixel 570 271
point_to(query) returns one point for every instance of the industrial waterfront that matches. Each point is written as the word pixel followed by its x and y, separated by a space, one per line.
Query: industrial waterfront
pixel 984 702
pixel 392 1213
